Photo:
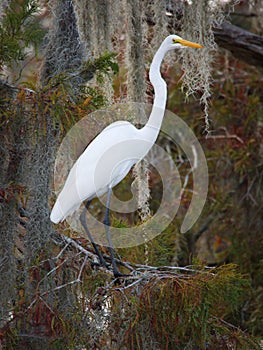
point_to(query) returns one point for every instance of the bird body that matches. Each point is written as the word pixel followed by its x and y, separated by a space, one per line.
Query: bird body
pixel 110 156
pixel 103 164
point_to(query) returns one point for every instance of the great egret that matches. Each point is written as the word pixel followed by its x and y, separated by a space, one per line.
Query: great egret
pixel 110 156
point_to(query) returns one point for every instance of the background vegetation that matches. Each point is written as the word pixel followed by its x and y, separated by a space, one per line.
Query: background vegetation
pixel 199 290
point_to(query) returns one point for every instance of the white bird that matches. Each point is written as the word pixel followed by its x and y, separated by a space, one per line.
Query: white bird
pixel 110 156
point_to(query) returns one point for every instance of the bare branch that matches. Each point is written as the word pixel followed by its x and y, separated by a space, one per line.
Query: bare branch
pixel 214 137
pixel 244 45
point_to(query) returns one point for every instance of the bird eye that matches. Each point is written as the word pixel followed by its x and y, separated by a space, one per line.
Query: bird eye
pixel 176 41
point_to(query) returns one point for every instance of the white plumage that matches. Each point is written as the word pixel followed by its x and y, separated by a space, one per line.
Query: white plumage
pixel 110 156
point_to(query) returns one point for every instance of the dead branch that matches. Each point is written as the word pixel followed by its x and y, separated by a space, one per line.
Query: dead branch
pixel 137 271
pixel 224 137
pixel 244 45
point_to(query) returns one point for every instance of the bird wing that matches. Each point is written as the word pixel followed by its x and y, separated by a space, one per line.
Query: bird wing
pixel 103 164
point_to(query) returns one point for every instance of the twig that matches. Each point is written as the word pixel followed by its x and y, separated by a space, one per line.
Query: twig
pixel 93 255
pixel 163 268
pixel 59 287
pixel 80 248
pixel 82 267
pixel 17 88
pixel 136 268
pixel 226 136
pixel 130 285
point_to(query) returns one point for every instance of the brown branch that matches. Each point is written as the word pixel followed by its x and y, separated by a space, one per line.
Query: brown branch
pixel 244 45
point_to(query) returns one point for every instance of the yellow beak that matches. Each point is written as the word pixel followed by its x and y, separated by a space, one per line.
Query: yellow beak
pixel 190 44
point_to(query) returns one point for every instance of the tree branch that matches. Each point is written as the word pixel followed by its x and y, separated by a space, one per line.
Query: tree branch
pixel 244 45
pixel 136 270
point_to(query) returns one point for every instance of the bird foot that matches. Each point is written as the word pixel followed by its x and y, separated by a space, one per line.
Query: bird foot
pixel 100 264
pixel 118 275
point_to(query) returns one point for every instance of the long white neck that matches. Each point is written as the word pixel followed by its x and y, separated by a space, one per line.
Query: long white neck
pixel 152 127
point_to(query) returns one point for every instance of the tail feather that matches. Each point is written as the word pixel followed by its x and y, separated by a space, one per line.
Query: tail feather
pixel 59 213
pixel 67 202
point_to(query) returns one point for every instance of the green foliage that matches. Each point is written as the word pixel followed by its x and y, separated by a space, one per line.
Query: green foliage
pixel 63 103
pixel 174 312
pixel 19 30
pixel 160 250
pixel 93 98
pixel 55 101
pixel 189 310
pixel 104 65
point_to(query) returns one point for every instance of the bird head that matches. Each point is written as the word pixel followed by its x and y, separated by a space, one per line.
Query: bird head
pixel 176 42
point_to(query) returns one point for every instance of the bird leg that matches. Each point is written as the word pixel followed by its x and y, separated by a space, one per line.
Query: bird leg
pixel 106 223
pixel 84 224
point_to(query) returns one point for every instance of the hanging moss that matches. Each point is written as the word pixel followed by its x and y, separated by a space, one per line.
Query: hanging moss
pixel 74 303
